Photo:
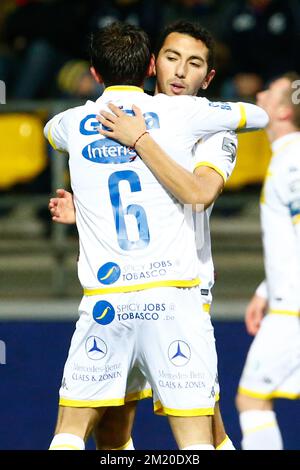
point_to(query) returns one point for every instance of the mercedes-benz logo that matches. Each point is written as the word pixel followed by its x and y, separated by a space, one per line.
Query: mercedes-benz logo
pixel 179 353
pixel 95 348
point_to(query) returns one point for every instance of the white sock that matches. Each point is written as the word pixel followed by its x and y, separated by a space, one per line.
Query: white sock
pixel 260 430
pixel 65 441
pixel 128 446
pixel 199 447
pixel 226 444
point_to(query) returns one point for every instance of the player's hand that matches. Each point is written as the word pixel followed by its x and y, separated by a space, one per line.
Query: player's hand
pixel 255 312
pixel 62 207
pixel 123 128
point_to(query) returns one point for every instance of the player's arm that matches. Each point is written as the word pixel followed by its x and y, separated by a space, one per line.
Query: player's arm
pixel 220 116
pixel 250 117
pixel 199 189
pixel 216 151
pixel 56 132
pixel 62 208
pixel 256 309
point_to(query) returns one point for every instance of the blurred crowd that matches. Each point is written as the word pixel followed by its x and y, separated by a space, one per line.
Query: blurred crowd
pixel 44 43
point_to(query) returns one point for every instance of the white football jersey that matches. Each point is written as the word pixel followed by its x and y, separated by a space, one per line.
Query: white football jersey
pixel 133 234
pixel 217 151
pixel 280 219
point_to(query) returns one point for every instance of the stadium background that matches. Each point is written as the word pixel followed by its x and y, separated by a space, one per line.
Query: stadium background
pixel 39 290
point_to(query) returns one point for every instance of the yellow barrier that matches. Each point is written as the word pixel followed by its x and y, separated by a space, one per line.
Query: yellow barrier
pixel 22 148
pixel 253 158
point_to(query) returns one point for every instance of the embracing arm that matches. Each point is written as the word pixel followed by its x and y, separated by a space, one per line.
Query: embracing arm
pixel 200 188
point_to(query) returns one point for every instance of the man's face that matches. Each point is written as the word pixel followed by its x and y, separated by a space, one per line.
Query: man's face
pixel 181 66
pixel 271 99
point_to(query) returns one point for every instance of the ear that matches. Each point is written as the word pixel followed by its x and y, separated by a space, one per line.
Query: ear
pixel 151 67
pixel 208 79
pixel 96 75
pixel 285 112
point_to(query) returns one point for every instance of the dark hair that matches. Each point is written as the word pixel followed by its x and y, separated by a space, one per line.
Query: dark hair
pixel 120 53
pixel 195 31
pixel 293 95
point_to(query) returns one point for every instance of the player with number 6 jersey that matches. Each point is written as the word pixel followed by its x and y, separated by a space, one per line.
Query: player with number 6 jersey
pixel 134 238
pixel 122 246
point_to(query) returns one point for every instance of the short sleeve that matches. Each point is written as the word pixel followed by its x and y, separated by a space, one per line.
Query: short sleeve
pixel 262 290
pixel 56 133
pixel 214 116
pixel 217 151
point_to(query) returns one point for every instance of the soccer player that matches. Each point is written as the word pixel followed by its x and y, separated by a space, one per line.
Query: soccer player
pixel 272 368
pixel 184 65
pixel 125 258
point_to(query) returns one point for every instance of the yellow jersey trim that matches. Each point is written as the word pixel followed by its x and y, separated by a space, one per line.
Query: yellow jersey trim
pixel 137 287
pixel 135 396
pixel 243 120
pixel 124 88
pixel 51 141
pixel 292 313
pixel 271 424
pixel 59 446
pixel 220 446
pixel 288 395
pixel 147 393
pixel 206 308
pixel 263 192
pixel 214 167
pixel 283 146
pixel 268 396
pixel 163 410
pixel 217 397
pixel 123 447
pixel 91 403
pixel 296 219
pixel 250 393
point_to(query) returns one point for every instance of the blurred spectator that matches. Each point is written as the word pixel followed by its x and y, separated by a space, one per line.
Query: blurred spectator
pixel 202 11
pixel 262 36
pixel 74 78
pixel 41 35
pixel 147 14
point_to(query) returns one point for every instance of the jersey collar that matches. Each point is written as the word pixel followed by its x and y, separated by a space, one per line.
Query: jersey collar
pixel 278 144
pixel 124 88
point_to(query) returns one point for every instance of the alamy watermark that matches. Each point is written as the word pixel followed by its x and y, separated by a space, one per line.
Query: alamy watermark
pixel 2 92
pixel 135 227
pixel 195 218
pixel 2 352
pixel 296 94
